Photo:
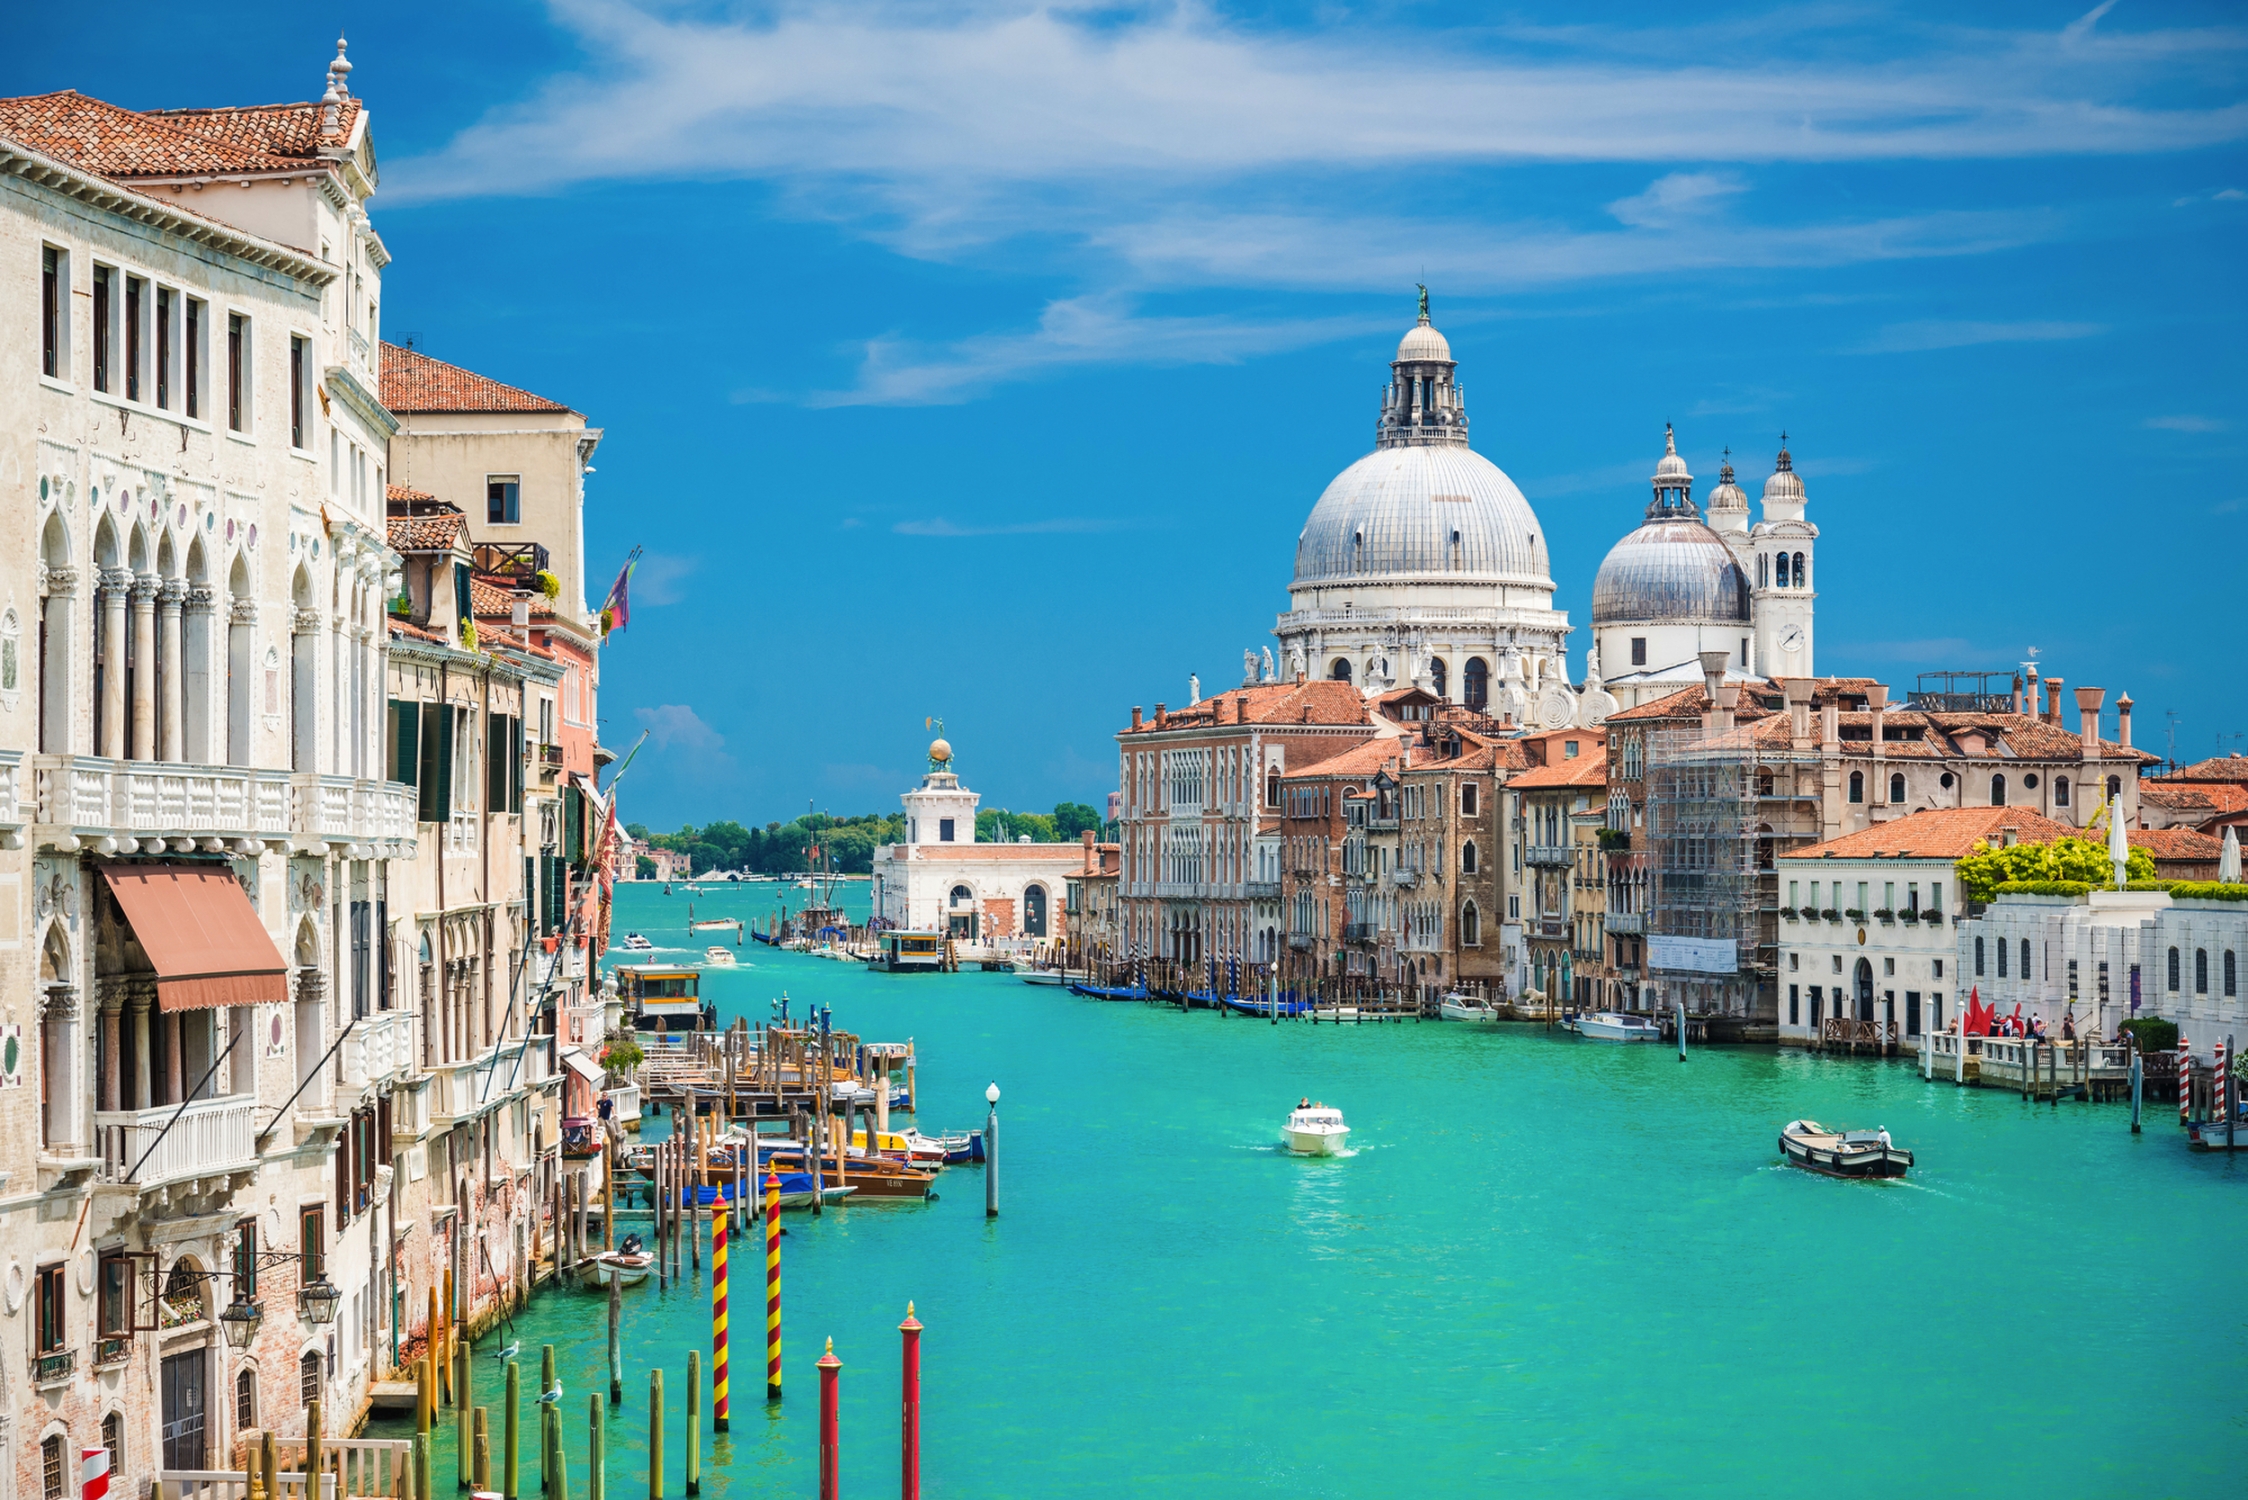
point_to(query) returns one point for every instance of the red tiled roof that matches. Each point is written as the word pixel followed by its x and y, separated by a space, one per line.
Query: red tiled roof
pixel 1350 763
pixel 413 382
pixel 2176 843
pixel 426 533
pixel 1317 701
pixel 123 144
pixel 488 600
pixel 1940 833
pixel 2233 767
pixel 1580 771
pixel 2202 797
pixel 406 494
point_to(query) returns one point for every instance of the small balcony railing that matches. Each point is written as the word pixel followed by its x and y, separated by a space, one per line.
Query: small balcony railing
pixel 1550 854
pixel 1261 890
pixel 523 561
pixel 211 1137
pixel 1302 942
pixel 54 1365
pixel 379 1048
pixel 1626 922
pixel 1404 879
pixel 1361 932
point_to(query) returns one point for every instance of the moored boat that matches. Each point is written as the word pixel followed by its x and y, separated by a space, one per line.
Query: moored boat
pixel 627 1265
pixel 1617 1026
pixel 1315 1130
pixel 1843 1153
pixel 1459 1007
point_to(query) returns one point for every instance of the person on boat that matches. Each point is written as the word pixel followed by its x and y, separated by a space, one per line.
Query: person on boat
pixel 2068 1027
pixel 1304 1102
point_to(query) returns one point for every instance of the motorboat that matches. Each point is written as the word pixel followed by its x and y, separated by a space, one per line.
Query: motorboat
pixel 1843 1153
pixel 954 1149
pixel 718 958
pixel 635 943
pixel 627 1265
pixel 1617 1026
pixel 1459 1007
pixel 1032 974
pixel 1315 1130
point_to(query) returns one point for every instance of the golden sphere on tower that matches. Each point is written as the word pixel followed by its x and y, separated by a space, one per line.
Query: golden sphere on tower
pixel 939 752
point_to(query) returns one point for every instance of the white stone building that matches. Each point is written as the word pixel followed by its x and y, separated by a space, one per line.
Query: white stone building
pixel 941 880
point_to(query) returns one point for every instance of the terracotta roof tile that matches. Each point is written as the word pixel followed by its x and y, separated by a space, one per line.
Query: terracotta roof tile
pixel 1940 833
pixel 413 382
pixel 1350 762
pixel 114 142
pixel 405 494
pixel 426 533
pixel 2176 843
pixel 2233 767
pixel 490 601
pixel 1580 771
pixel 1317 701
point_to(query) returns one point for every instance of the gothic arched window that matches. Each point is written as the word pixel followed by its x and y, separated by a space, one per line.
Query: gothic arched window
pixel 2173 968
pixel 2115 787
pixel 1998 791
pixel 2201 971
pixel 1340 671
pixel 2231 974
pixel 1436 676
pixel 1799 574
pixel 1467 857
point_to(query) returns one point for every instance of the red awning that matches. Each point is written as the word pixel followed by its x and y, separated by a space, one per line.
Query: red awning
pixel 200 932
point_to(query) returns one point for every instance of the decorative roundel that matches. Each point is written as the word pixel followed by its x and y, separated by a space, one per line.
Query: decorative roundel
pixel 124 500
pixel 253 534
pixel 273 1037
pixel 86 1272
pixel 1557 707
pixel 95 495
pixel 154 505
pixel 15 1286
pixel 316 547
pixel 42 487
pixel 292 541
pixel 183 515
pixel 210 520
pixel 230 530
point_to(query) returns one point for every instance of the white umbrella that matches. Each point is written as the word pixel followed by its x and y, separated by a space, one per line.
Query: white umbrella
pixel 2228 863
pixel 2119 845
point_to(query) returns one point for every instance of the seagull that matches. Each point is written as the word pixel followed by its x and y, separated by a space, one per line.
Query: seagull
pixel 508 1353
pixel 553 1397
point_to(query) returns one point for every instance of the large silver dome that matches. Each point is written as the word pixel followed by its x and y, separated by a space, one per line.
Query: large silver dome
pixel 1670 570
pixel 1422 513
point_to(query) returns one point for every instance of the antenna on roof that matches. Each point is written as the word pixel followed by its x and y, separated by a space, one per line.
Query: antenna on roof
pixel 406 340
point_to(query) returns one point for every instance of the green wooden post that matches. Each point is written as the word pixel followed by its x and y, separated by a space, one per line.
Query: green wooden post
pixel 463 1419
pixel 511 1456
pixel 421 1466
pixel 655 1435
pixel 546 1438
pixel 561 1459
pixel 694 1421
pixel 480 1466
pixel 597 1455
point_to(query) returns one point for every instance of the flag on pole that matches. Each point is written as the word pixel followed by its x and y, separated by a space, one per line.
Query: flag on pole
pixel 616 610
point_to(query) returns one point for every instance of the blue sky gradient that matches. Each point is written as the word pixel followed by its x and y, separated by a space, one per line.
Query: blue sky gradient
pixel 983 362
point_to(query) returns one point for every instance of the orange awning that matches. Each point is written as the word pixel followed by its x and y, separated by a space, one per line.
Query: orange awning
pixel 200 932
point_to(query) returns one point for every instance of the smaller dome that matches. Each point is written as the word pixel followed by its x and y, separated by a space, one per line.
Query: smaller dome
pixel 1727 495
pixel 1422 342
pixel 1785 485
pixel 1671 466
pixel 939 752
pixel 1670 570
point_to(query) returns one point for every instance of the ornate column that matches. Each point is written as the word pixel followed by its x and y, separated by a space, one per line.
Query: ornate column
pixel 112 1056
pixel 304 690
pixel 58 1015
pixel 144 667
pixel 57 666
pixel 196 740
pixel 175 1072
pixel 115 585
pixel 140 1006
pixel 171 721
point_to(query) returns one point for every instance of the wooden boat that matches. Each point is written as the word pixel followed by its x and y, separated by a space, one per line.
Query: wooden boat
pixel 1843 1153
pixel 2210 1135
pixel 1264 1005
pixel 874 1177
pixel 627 1265
pixel 1110 991
pixel 1617 1026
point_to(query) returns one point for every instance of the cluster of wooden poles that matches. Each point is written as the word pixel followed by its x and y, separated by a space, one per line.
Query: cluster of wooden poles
pixel 445 1373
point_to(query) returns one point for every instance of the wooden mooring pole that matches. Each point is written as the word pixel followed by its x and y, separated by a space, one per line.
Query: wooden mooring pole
pixel 511 1422
pixel 596 1451
pixel 830 1419
pixel 694 1421
pixel 655 1435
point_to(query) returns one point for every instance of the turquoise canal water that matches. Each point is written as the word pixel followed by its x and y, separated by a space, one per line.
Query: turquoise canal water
pixel 1550 1268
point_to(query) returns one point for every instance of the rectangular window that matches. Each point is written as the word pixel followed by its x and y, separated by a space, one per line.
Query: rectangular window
pixel 164 304
pixel 2003 945
pixel 191 359
pixel 503 497
pixel 51 1305
pixel 300 371
pixel 502 735
pixel 136 299
pixel 1794 1006
pixel 105 281
pixel 1888 895
pixel 1978 958
pixel 312 1241
pixel 944 830
pixel 114 1301
pixel 436 757
pixel 1639 651
pixel 246 1261
pixel 237 373
pixel 1935 895
pixel 1937 971
pixel 1861 898
pixel 52 292
pixel 1791 893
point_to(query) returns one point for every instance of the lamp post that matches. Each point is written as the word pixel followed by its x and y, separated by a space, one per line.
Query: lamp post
pixel 991 1153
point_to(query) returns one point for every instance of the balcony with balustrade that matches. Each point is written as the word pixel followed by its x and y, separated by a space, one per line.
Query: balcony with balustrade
pixel 380 1049
pixel 167 1145
pixel 1550 854
pixel 113 806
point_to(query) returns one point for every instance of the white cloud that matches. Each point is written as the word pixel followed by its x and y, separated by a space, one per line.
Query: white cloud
pixel 656 580
pixel 2230 195
pixel 2187 423
pixel 676 725
pixel 1936 333
pixel 1679 196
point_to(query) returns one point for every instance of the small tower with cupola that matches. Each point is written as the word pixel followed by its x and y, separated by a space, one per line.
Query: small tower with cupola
pixel 1782 546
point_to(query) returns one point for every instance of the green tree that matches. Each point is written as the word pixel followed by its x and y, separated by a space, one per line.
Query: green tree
pixel 1986 868
pixel 1074 818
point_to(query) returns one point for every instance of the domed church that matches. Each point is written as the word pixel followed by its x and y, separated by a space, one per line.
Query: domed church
pixel 1422 563
pixel 1681 585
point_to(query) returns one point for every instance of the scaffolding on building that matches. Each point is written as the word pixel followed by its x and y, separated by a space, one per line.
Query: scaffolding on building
pixel 1721 805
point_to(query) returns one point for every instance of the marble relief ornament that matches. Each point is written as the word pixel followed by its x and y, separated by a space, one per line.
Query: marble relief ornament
pixel 1248 667
pixel 55 893
pixel 307 893
pixel 1557 707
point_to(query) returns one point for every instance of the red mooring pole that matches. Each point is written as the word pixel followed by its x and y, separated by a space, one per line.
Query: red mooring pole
pixel 830 1454
pixel 909 1458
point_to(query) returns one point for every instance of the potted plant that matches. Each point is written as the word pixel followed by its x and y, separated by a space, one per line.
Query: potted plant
pixel 1932 918
pixel 1854 914
pixel 468 635
pixel 549 585
pixel 1810 914
pixel 1831 915
pixel 1885 916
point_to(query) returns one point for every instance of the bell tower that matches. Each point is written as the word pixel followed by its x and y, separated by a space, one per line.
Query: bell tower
pixel 1783 545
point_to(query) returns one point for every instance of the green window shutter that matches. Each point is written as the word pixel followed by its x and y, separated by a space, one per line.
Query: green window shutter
pixel 495 763
pixel 462 603
pixel 444 769
pixel 572 844
pixel 515 757
pixel 405 741
pixel 432 809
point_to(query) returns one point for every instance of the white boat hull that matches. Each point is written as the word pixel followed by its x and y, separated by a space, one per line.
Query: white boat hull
pixel 623 1271
pixel 1317 1142
pixel 1454 1010
pixel 1607 1026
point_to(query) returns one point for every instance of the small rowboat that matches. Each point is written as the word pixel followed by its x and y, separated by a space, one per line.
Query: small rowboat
pixel 1843 1153
pixel 627 1265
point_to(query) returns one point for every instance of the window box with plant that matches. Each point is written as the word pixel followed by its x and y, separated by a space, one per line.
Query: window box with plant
pixel 1855 914
pixel 1884 915
pixel 1932 918
pixel 1831 915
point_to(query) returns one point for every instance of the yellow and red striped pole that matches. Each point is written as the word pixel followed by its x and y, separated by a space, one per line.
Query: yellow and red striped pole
pixel 719 1215
pixel 772 1286
pixel 2185 1080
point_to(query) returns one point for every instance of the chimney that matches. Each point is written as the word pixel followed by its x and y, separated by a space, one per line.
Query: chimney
pixel 2053 701
pixel 2123 721
pixel 1092 859
pixel 1830 725
pixel 2088 701
pixel 2017 692
pixel 1299 679
pixel 1728 702
pixel 1241 708
pixel 1160 716
pixel 1135 716
pixel 1798 690
pixel 1713 671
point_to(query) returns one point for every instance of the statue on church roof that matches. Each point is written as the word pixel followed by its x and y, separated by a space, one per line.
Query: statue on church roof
pixel 1424 299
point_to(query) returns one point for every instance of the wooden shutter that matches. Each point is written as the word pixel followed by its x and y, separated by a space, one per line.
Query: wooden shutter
pixel 426 739
pixel 463 605
pixel 405 742
pixel 495 763
pixel 515 759
pixel 573 842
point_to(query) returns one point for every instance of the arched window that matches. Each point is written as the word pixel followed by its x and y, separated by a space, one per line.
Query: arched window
pixel 2003 950
pixel 113 1438
pixel 1272 787
pixel 2173 968
pixel 1471 923
pixel 1437 676
pixel 2060 791
pixel 1340 671
pixel 1034 911
pixel 2201 971
pixel 1800 575
pixel 1477 681
pixel 1857 786
pixel 1896 787
pixel 1998 791
pixel 1978 958
pixel 1467 857
pixel 2025 959
pixel 245 1401
pixel 2115 787
pixel 960 896
pixel 2231 979
pixel 308 1376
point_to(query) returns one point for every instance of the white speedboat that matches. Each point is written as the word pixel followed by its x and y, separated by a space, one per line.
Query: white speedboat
pixel 1616 1026
pixel 718 958
pixel 1315 1130
pixel 1458 1007
pixel 635 943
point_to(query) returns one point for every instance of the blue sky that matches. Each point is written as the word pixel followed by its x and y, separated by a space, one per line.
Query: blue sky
pixel 983 362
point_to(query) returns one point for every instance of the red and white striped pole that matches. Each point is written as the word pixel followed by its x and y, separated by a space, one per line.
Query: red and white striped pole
pixel 2219 1106
pixel 93 1473
pixel 2185 1080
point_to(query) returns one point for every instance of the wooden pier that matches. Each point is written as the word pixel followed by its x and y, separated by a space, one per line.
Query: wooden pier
pixel 2036 1069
